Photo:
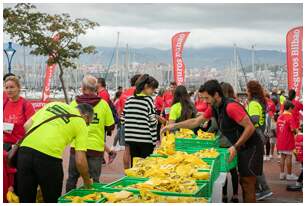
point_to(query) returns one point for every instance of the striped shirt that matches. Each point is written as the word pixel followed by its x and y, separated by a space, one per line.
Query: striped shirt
pixel 139 120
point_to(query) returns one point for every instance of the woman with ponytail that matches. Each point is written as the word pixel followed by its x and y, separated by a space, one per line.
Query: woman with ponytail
pixel 139 118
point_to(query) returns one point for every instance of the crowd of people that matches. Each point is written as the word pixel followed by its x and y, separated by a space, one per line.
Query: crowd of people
pixel 266 126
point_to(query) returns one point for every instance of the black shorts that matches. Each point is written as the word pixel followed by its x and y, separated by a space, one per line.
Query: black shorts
pixel 250 160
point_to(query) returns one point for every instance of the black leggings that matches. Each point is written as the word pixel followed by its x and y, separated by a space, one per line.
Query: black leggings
pixel 139 149
pixel 35 168
pixel 234 175
pixel 300 179
pixel 268 146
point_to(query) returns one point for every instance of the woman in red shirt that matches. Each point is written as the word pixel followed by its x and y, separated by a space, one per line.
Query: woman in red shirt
pixel 159 105
pixel 285 140
pixel 16 111
pixel 298 106
pixel 168 98
pixel 159 101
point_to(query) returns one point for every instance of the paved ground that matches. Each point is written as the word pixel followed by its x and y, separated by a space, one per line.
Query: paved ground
pixel 277 186
pixel 114 171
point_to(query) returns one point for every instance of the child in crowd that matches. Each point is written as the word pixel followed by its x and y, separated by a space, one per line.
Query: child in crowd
pixel 285 143
pixel 299 157
pixel 272 135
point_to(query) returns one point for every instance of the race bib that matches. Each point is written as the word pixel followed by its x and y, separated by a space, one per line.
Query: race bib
pixel 167 110
pixel 8 127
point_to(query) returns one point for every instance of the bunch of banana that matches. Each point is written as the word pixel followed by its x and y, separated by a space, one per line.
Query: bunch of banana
pixel 142 166
pixel 167 146
pixel 177 199
pixel 179 165
pixel 184 133
pixel 149 197
pixel 118 196
pixel 167 184
pixel 12 197
pixel 206 135
pixel 78 199
pixel 207 153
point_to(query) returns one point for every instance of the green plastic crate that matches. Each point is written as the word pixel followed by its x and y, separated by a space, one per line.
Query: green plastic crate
pixel 194 143
pixel 98 186
pixel 95 186
pixel 127 181
pixel 158 155
pixel 214 174
pixel 225 165
pixel 215 167
pixel 209 183
pixel 110 190
pixel 81 193
pixel 217 160
pixel 181 143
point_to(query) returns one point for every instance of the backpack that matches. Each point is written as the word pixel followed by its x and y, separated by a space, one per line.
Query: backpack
pixel 114 112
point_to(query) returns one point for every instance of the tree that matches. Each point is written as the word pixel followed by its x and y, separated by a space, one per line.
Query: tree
pixel 34 29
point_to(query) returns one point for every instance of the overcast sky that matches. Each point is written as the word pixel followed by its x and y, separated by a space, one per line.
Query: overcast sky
pixel 152 25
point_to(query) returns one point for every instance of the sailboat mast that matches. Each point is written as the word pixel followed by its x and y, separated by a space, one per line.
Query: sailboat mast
pixel 117 59
pixel 126 74
pixel 235 68
pixel 253 63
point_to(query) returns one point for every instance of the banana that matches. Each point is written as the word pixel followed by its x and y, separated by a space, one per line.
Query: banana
pixel 77 199
pixel 12 197
pixel 147 197
pixel 9 196
pixel 207 153
pixel 206 135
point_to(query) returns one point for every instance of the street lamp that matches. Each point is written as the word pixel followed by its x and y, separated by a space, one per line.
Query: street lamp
pixel 9 52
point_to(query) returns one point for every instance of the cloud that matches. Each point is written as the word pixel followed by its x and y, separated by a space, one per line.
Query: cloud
pixel 152 25
pixel 143 37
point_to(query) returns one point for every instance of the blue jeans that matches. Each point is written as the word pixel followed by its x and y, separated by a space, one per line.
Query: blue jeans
pixel 120 135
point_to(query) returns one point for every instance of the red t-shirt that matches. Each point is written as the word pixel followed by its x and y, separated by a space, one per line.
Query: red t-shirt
pixel 200 105
pixel 298 106
pixel 299 147
pixel 233 110
pixel 271 107
pixel 284 134
pixel 122 99
pixel 203 107
pixel 116 104
pixel 16 113
pixel 159 103
pixel 104 95
pixel 168 98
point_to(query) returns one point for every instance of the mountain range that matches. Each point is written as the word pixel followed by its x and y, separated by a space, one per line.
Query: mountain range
pixel 217 57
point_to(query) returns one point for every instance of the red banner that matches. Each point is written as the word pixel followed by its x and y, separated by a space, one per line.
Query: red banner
pixel 294 44
pixel 48 76
pixel 178 41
